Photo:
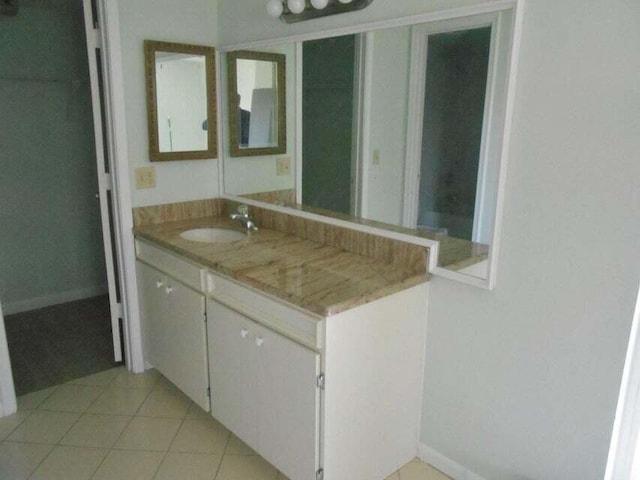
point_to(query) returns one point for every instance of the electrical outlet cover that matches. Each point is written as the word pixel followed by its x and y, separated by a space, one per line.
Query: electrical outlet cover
pixel 283 166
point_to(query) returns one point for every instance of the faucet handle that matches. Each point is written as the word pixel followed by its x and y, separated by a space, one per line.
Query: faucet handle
pixel 243 209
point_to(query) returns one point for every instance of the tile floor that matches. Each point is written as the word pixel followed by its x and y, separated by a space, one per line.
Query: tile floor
pixel 114 425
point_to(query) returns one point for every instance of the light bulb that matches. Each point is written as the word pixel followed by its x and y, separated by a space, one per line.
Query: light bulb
pixel 319 4
pixel 275 8
pixel 296 6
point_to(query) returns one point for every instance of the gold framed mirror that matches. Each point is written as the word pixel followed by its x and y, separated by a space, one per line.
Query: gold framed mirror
pixel 181 101
pixel 257 103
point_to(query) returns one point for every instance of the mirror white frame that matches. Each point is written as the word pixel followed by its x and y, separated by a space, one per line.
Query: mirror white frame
pixel 488 8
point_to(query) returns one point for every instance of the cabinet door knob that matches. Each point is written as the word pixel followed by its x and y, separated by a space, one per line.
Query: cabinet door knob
pixel 168 290
pixel 259 341
pixel 159 283
pixel 244 333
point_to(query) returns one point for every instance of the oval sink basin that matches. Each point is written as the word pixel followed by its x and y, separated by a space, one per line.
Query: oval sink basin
pixel 213 235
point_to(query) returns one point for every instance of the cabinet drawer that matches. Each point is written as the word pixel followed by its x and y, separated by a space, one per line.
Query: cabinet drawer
pixel 188 273
pixel 289 321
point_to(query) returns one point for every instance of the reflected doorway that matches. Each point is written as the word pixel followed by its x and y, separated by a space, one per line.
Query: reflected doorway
pixel 454 105
pixel 328 79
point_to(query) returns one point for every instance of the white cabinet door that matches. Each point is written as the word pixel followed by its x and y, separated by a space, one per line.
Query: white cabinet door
pixel 175 330
pixel 288 405
pixel 152 303
pixel 185 354
pixel 232 359
pixel 263 388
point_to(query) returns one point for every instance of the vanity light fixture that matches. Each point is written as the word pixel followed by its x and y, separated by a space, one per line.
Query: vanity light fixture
pixel 291 11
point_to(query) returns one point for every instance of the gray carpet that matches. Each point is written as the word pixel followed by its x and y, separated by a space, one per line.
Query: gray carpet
pixel 56 344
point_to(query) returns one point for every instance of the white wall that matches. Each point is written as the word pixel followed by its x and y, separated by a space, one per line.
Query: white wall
pixel 192 21
pixel 521 382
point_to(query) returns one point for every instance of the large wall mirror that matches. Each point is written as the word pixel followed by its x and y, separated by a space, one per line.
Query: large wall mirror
pixel 181 101
pixel 257 103
pixel 403 129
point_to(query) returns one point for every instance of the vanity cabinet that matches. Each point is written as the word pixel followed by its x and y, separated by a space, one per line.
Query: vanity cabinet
pixel 335 397
pixel 264 388
pixel 174 331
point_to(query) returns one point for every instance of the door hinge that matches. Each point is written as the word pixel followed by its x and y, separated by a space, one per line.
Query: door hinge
pixel 320 474
pixel 320 381
pixel 209 392
pixel 119 310
pixel 205 317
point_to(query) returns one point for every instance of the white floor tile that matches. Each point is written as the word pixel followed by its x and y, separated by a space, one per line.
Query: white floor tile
pixel 238 447
pixel 70 463
pixel 201 436
pixel 417 470
pixel 10 423
pixel 72 398
pixel 44 427
pixel 192 466
pixel 33 400
pixel 100 379
pixel 144 433
pixel 165 402
pixel 196 412
pixel 98 431
pixel 246 467
pixel 146 380
pixel 18 460
pixel 129 465
pixel 119 401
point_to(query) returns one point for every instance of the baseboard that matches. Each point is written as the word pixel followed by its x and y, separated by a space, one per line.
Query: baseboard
pixel 445 464
pixel 10 308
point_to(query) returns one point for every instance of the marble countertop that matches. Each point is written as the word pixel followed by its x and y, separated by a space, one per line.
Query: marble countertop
pixel 322 279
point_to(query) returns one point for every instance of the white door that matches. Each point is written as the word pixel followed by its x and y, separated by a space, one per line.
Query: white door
pixel 184 328
pixel 104 193
pixel 151 301
pixel 232 370
pixel 288 404
pixel 264 389
pixel 173 321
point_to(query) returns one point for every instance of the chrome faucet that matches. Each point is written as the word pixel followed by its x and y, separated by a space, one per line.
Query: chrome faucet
pixel 243 217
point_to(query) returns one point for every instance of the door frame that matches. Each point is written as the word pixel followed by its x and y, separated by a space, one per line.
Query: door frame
pixel 107 38
pixel 8 403
pixel 105 184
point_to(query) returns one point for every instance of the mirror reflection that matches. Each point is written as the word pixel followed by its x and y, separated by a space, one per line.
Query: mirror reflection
pixel 403 127
pixel 257 107
pixel 180 101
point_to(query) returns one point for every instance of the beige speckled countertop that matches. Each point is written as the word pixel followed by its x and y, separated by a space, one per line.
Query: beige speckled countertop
pixel 322 279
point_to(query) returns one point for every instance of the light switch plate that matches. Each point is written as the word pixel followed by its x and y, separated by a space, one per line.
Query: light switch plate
pixel 145 177
pixel 283 166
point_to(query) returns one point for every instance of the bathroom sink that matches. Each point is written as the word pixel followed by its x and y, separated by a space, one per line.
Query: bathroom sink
pixel 213 235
